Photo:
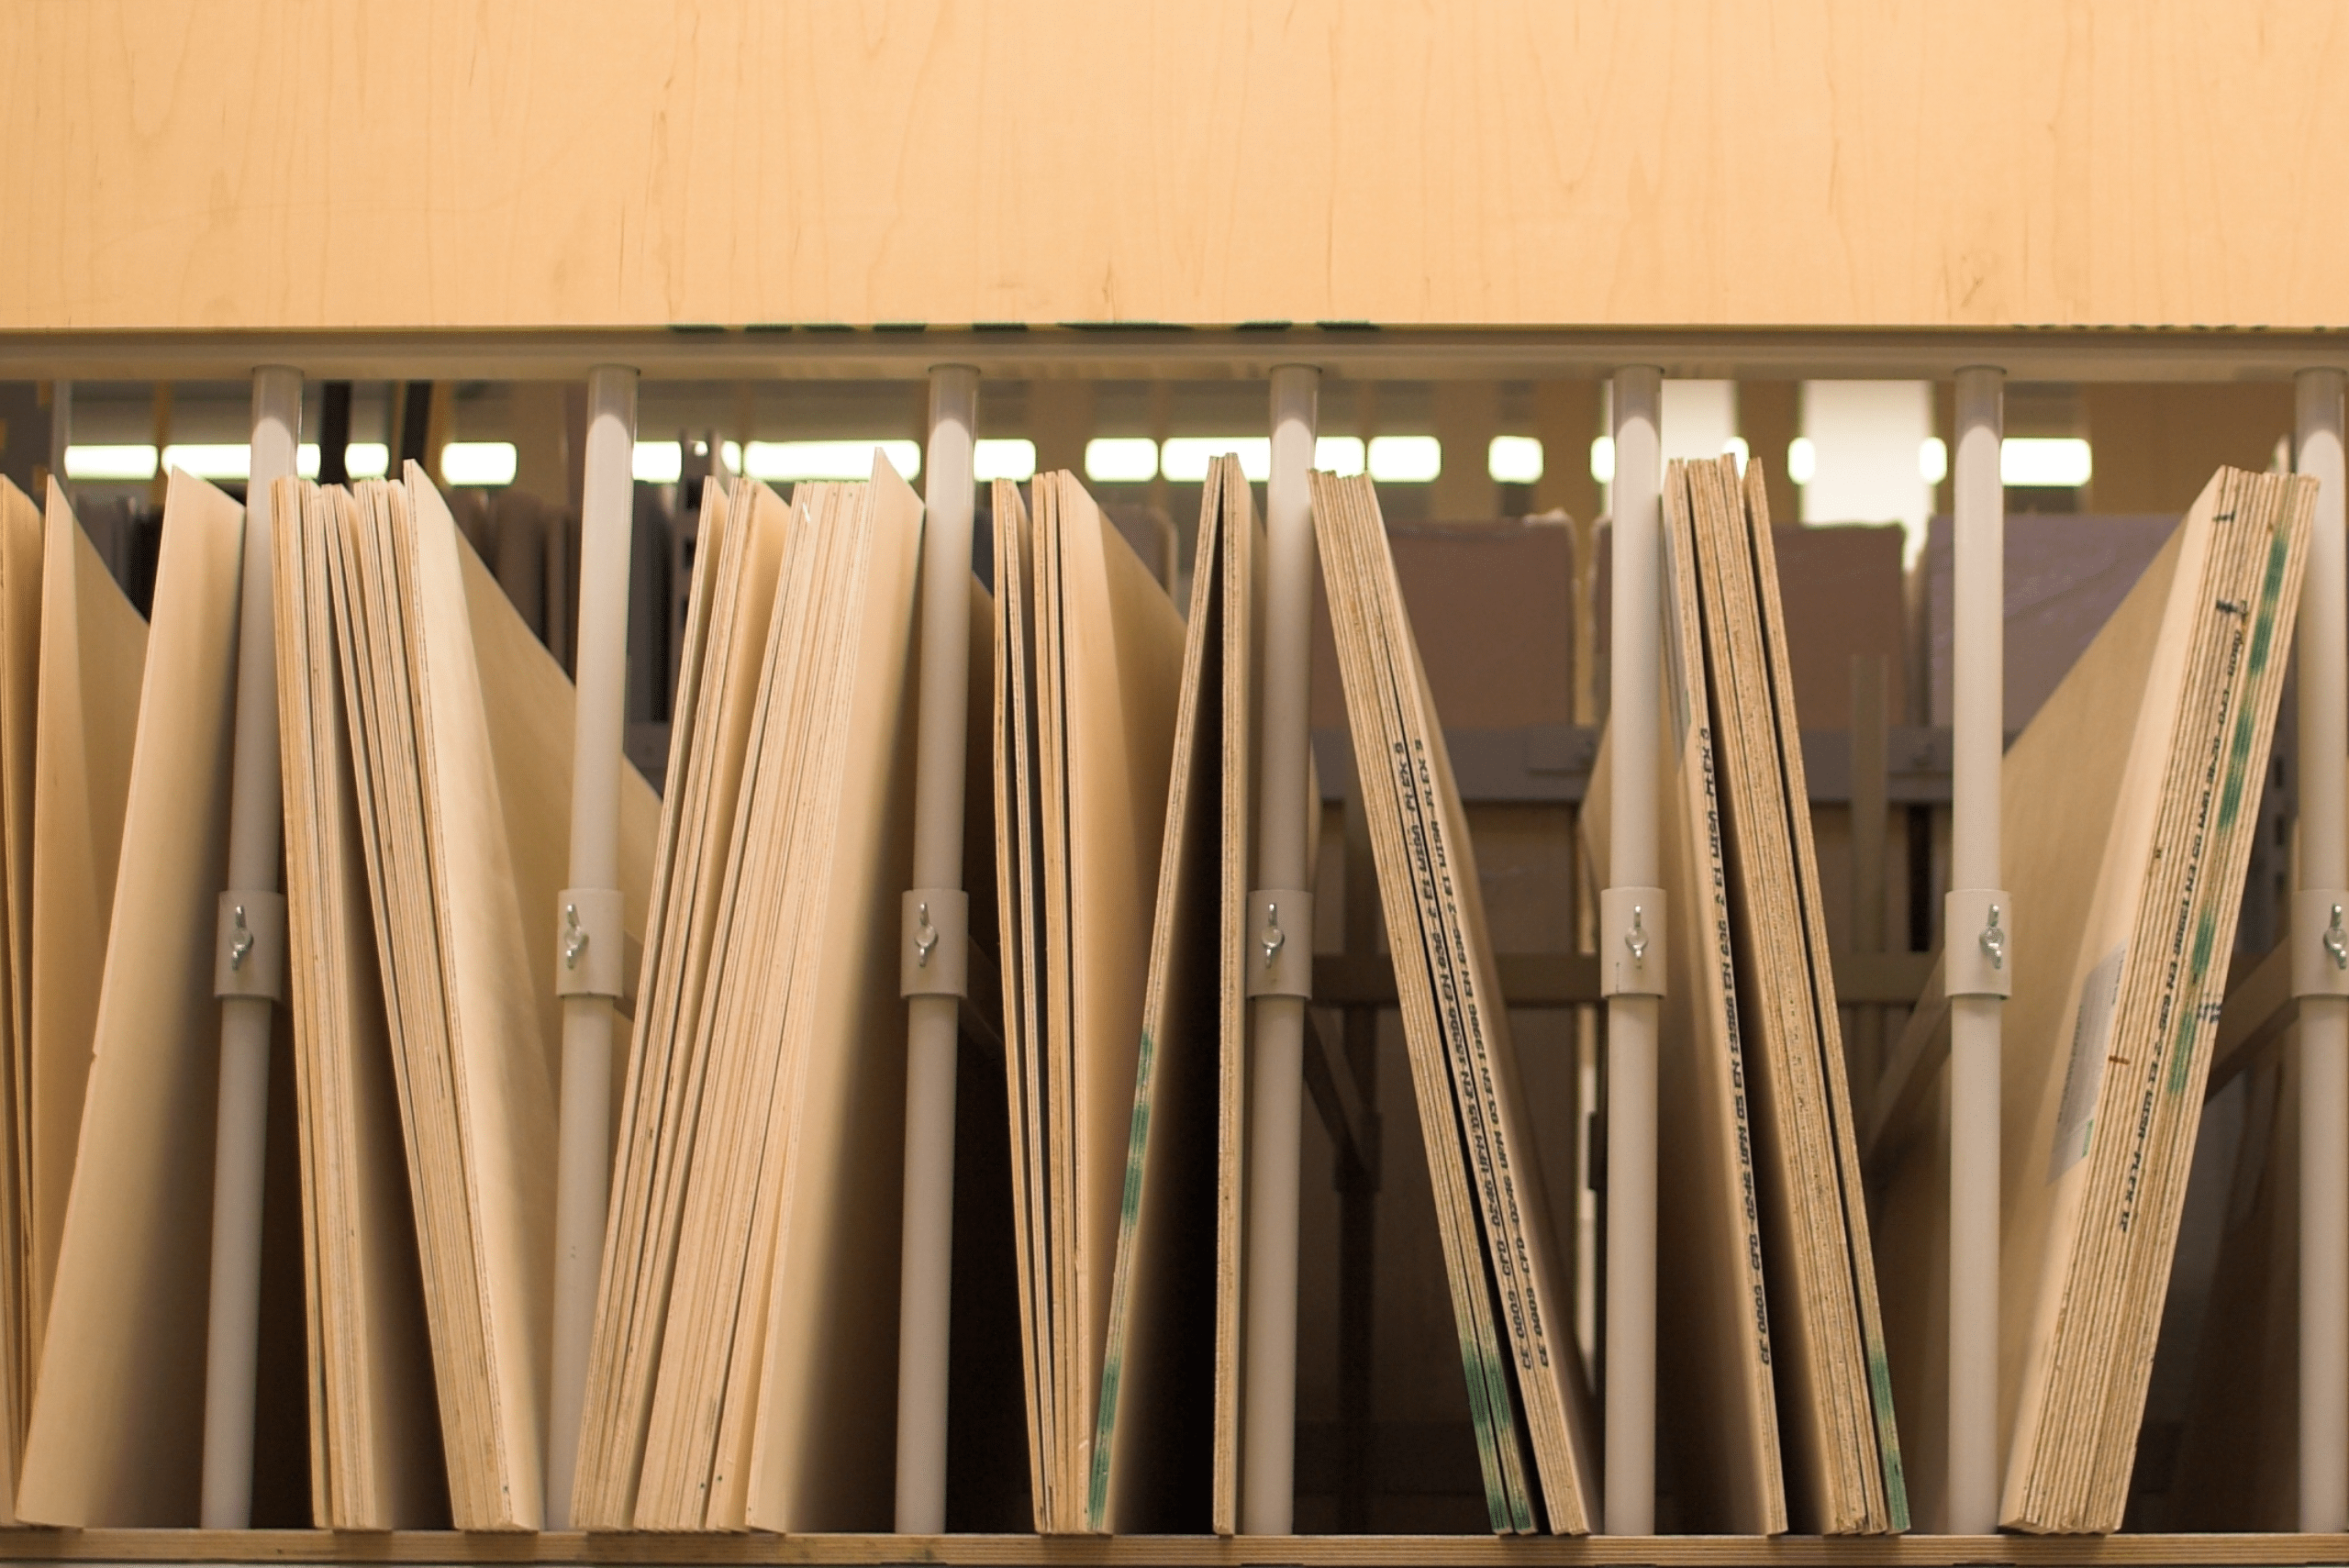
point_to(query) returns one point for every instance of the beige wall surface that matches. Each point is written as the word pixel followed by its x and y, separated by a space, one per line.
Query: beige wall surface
pixel 1820 163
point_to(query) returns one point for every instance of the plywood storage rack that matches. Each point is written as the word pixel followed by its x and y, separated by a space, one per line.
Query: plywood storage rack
pixel 1210 189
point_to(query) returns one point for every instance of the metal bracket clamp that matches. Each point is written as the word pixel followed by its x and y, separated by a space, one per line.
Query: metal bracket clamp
pixel 1978 942
pixel 1630 941
pixel 249 958
pixel 934 951
pixel 1277 945
pixel 2319 942
pixel 591 946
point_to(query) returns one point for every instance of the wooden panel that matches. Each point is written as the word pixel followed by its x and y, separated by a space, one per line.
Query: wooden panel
pixel 439 164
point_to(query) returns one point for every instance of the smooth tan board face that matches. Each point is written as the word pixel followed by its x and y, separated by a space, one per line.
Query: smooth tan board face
pixel 93 661
pixel 116 1424
pixel 1430 170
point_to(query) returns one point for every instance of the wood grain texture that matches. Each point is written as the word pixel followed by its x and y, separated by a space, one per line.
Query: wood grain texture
pixel 1828 164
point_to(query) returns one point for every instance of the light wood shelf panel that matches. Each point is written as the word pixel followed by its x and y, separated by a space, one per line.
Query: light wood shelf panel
pixel 1836 164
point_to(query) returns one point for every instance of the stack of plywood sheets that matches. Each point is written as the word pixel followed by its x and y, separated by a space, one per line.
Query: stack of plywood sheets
pixel 425 747
pixel 1775 1394
pixel 2128 806
pixel 744 1359
pixel 1166 1456
pixel 1517 1343
pixel 1089 660
pixel 72 652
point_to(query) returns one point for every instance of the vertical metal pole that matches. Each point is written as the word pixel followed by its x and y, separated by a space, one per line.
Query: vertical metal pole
pixel 583 1161
pixel 2325 1018
pixel 1635 690
pixel 256 829
pixel 1284 821
pixel 932 1022
pixel 1978 747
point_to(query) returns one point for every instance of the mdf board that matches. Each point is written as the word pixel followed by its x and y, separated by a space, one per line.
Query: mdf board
pixel 92 666
pixel 899 183
pixel 116 1436
pixel 1164 1458
pixel 2156 735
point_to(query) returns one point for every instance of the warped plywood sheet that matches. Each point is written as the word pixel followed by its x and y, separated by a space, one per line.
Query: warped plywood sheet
pixel 2158 735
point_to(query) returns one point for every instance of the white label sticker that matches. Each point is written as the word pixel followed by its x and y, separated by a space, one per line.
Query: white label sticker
pixel 2091 1042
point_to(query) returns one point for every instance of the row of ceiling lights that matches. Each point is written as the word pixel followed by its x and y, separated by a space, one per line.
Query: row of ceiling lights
pixel 2060 461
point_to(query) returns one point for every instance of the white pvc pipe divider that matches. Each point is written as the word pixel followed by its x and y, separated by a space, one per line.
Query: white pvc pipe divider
pixel 1631 926
pixel 248 974
pixel 936 937
pixel 1284 820
pixel 1977 957
pixel 590 943
pixel 2318 977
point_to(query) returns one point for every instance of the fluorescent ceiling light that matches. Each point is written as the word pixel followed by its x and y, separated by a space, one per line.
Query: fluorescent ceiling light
pixel 1122 460
pixel 1003 458
pixel 732 452
pixel 2057 463
pixel 1602 460
pixel 115 463
pixel 1514 460
pixel 1340 455
pixel 1932 459
pixel 1735 447
pixel 477 462
pixel 367 460
pixel 1803 461
pixel 215 461
pixel 658 462
pixel 793 461
pixel 1404 459
pixel 1184 459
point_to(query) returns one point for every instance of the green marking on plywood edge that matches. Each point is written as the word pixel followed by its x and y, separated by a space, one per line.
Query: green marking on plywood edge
pixel 1896 1479
pixel 2279 551
pixel 1138 1136
pixel 1482 1421
pixel 1097 1502
pixel 2189 1019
